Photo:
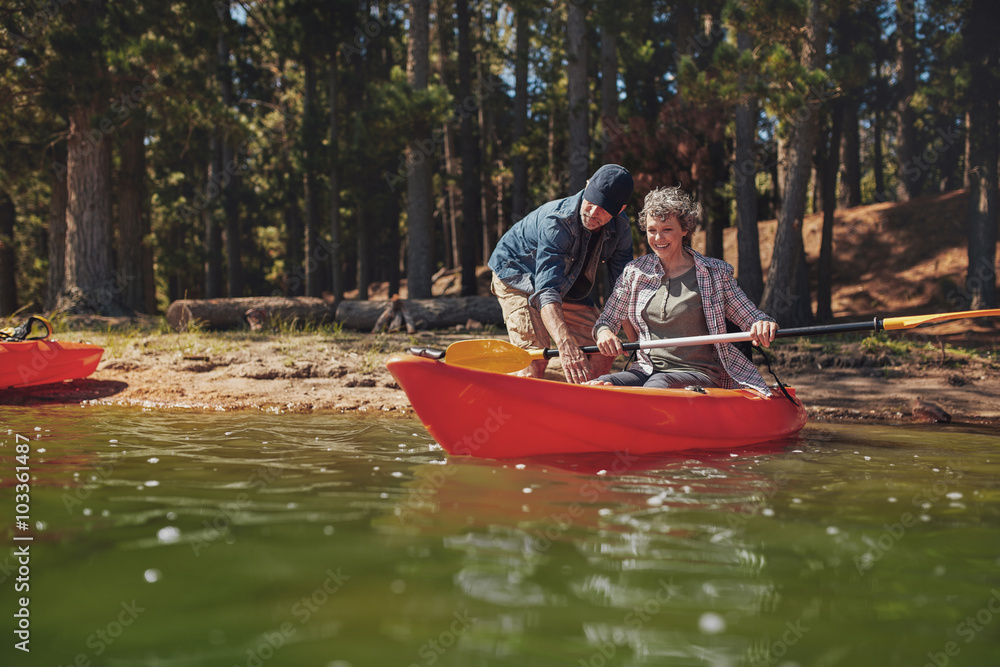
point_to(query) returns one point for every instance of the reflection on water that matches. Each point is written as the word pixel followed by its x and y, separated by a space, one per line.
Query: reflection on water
pixel 179 538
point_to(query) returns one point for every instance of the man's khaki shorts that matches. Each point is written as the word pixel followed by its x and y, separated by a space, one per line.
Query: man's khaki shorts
pixel 526 329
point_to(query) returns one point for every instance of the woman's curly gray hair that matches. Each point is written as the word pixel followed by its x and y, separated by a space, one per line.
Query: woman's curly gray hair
pixel 662 203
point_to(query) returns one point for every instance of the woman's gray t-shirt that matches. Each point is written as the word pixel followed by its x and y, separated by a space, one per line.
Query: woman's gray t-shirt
pixel 675 311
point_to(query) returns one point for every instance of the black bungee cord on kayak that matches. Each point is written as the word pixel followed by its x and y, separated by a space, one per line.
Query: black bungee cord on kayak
pixel 23 331
pixel 781 385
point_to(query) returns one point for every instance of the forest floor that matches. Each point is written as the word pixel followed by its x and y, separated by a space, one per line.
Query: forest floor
pixel 890 260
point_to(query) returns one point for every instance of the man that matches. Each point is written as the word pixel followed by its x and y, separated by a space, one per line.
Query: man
pixel 544 268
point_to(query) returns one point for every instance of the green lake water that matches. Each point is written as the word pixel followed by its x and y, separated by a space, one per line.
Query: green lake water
pixel 181 538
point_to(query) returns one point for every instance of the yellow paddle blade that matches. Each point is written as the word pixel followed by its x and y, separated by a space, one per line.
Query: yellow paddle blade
pixel 891 323
pixel 496 356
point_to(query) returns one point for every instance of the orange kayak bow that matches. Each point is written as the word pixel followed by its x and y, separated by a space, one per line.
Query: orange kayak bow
pixel 31 362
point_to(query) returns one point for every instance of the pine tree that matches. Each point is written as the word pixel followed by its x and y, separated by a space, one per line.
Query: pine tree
pixel 8 256
pixel 469 141
pixel 984 150
pixel 907 187
pixel 420 223
pixel 786 293
pixel 577 101
pixel 90 284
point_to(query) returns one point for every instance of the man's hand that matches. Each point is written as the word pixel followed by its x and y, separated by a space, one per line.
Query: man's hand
pixel 574 362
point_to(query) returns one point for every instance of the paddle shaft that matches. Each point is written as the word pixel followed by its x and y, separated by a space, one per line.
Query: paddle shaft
pixel 847 327
pixel 502 357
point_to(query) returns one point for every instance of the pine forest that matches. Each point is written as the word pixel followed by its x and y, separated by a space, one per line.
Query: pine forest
pixel 154 151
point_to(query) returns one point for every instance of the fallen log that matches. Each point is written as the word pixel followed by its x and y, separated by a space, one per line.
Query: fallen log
pixel 439 313
pixel 233 313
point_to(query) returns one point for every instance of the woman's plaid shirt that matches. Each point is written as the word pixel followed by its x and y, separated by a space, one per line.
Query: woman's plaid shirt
pixel 721 299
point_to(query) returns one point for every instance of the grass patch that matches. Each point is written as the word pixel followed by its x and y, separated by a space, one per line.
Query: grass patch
pixel 922 350
pixel 881 343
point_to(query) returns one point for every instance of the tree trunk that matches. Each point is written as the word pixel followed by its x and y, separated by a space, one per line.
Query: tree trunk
pixel 776 185
pixel 824 285
pixel 488 192
pixel 454 199
pixel 784 297
pixel 715 211
pixel 966 176
pixel 556 179
pixel 878 121
pixel 781 168
pixel 89 283
pixel 233 236
pixel 336 270
pixel 59 199
pixel 850 174
pixel 230 184
pixel 878 157
pixel 364 252
pixel 818 177
pixel 908 176
pixel 686 30
pixel 295 278
pixel 315 257
pixel 609 90
pixel 214 280
pixel 576 81
pixel 984 150
pixel 519 160
pixel 234 241
pixel 470 157
pixel 133 216
pixel 419 196
pixel 449 208
pixel 751 277
pixel 851 32
pixel 359 103
pixel 8 256
pixel 390 222
pixel 951 156
pixel 648 98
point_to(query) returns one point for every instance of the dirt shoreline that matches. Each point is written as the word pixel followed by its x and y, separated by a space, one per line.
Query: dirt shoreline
pixel 344 372
pixel 893 259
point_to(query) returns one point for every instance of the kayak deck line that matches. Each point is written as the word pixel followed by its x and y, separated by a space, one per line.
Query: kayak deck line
pixel 493 415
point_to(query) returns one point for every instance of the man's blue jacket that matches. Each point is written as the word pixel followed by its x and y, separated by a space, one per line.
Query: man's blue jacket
pixel 543 253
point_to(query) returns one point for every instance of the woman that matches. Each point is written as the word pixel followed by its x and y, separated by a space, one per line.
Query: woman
pixel 677 292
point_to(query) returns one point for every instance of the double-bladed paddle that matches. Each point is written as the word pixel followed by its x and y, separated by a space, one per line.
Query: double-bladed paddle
pixel 499 356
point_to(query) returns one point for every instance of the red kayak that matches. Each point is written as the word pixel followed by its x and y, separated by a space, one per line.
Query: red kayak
pixel 493 415
pixel 32 362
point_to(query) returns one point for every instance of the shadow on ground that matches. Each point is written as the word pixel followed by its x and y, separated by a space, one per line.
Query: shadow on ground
pixel 56 393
